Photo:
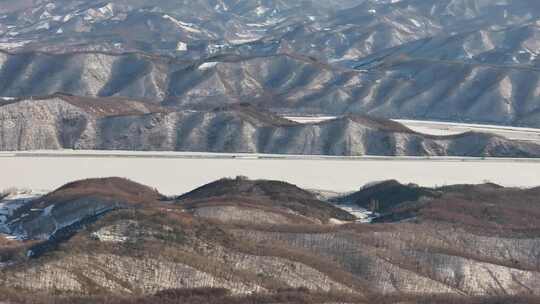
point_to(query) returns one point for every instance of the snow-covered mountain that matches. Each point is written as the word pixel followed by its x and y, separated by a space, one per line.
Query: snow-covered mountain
pixel 451 60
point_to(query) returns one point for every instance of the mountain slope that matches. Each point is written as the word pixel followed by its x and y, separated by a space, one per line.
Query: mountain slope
pixel 449 250
pixel 273 194
pixel 45 216
pixel 68 122
pixel 398 87
pixel 452 60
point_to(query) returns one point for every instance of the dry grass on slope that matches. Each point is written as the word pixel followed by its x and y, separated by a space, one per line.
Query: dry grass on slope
pixel 287 296
pixel 112 189
pixel 274 194
pixel 112 106
pixel 484 209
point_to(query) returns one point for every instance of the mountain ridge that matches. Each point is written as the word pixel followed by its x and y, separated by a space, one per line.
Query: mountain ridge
pixel 69 122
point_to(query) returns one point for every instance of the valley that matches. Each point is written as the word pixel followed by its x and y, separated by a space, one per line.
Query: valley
pixel 177 172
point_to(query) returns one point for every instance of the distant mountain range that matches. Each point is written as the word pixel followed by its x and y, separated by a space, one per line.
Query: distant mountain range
pixel 450 60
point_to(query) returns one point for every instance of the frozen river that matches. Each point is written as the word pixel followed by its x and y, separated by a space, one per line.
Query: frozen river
pixel 446 128
pixel 175 173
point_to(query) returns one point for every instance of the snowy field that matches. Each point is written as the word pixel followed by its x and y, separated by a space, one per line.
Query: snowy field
pixel 176 173
pixel 446 128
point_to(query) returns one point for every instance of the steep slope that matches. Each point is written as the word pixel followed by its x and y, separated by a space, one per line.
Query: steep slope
pixel 513 46
pixel 396 87
pixel 69 122
pixel 43 217
pixel 449 60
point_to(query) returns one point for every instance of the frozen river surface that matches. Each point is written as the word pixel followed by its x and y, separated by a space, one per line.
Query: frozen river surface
pixel 176 173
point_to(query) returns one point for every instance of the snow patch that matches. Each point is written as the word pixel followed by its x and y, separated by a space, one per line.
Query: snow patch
pixel 415 22
pixel 43 26
pixel 181 46
pixel 102 13
pixel 68 17
pixel 189 27
pixel 207 65
pixel 13 201
pixel 261 10
pixel 362 215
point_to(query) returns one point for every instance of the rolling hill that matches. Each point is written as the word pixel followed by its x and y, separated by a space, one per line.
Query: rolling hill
pixel 441 248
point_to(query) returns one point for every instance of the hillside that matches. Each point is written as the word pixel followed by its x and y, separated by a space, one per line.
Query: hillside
pixel 447 251
pixel 296 204
pixel 395 86
pixel 43 217
pixel 451 60
pixel 69 122
pixel 384 196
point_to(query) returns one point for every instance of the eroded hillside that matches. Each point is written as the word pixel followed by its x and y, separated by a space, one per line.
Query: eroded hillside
pixel 69 122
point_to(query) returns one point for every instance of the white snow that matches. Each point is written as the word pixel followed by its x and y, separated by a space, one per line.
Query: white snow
pixel 310 119
pixel 448 128
pixel 261 10
pixel 43 26
pixel 245 37
pixel 221 6
pixel 68 17
pixel 214 48
pixel 189 27
pixel 340 174
pixel 103 13
pixel 445 128
pixel 15 200
pixel 106 237
pixel 416 22
pixel 242 41
pixel 207 65
pixel 107 9
pixel 45 15
pixel 181 46
pixel 362 215
pixel 109 236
